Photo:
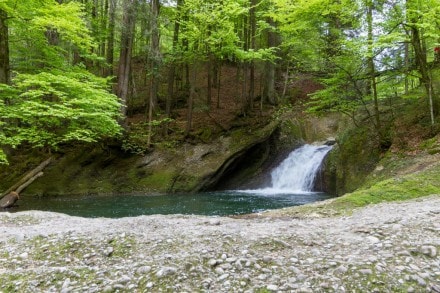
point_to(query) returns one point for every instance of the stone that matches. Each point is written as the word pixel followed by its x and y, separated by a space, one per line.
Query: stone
pixel 231 259
pixel 212 262
pixel 124 279
pixel 149 285
pixel 143 270
pixel 108 251
pixel 373 240
pixel 223 277
pixel 215 222
pixel 262 277
pixel 294 260
pixel 66 283
pixel 24 255
pixel 429 250
pixel 107 289
pixel 305 290
pixel 272 287
pixel 166 271
pixel 341 269
pixel 219 271
pixel 366 271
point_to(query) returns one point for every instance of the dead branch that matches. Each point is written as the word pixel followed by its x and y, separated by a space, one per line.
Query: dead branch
pixel 27 183
pixel 28 178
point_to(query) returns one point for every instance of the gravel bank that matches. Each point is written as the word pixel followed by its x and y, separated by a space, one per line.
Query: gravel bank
pixel 391 247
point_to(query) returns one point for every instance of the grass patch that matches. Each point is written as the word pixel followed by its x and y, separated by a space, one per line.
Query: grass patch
pixel 394 189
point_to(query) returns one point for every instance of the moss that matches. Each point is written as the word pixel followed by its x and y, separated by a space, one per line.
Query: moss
pixel 354 157
pixel 160 180
pixel 20 220
pixel 292 130
pixel 395 189
pixel 205 134
pixel 185 182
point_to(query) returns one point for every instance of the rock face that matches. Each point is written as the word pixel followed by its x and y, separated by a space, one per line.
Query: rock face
pixel 185 169
pixel 242 158
pixel 390 247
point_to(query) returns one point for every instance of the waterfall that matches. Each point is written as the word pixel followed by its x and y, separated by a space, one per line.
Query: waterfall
pixel 298 171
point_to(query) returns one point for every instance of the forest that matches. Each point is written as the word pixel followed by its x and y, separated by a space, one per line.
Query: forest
pixel 161 72
pixel 220 146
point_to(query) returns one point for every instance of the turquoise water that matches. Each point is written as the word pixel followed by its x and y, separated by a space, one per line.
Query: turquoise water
pixel 208 203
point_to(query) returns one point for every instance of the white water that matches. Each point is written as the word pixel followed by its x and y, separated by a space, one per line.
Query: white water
pixel 298 171
pixel 296 174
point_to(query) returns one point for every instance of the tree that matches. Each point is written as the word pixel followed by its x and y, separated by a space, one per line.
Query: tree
pixel 421 19
pixel 49 102
pixel 4 48
pixel 111 37
pixel 155 60
pixel 124 69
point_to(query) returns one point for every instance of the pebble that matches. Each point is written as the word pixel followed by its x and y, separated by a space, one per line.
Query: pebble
pixel 341 269
pixel 429 250
pixel 143 270
pixel 366 271
pixel 219 271
pixel 373 240
pixel 108 251
pixel 166 271
pixel 223 277
pixel 236 256
pixel 23 255
pixel 212 262
pixel 272 287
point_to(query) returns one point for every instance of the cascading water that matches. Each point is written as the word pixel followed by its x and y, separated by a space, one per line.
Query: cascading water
pixel 298 171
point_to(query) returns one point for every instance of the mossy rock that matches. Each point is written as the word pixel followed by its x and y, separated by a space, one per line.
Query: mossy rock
pixel 352 159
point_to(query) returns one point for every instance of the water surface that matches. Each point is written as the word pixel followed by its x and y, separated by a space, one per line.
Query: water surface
pixel 208 203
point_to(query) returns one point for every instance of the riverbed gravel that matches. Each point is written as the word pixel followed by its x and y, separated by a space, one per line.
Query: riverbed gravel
pixel 389 247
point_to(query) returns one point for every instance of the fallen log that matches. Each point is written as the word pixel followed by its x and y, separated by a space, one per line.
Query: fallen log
pixel 9 200
pixel 28 178
pixel 27 183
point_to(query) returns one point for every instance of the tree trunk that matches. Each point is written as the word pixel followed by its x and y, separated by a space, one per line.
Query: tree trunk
pixel 155 60
pixel 269 93
pixel 102 41
pixel 269 83
pixel 192 95
pixel 407 65
pixel 124 70
pixel 253 32
pixel 219 75
pixel 172 67
pixel 209 71
pixel 422 65
pixel 286 81
pixel 245 66
pixel 111 37
pixel 5 76
pixel 372 68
